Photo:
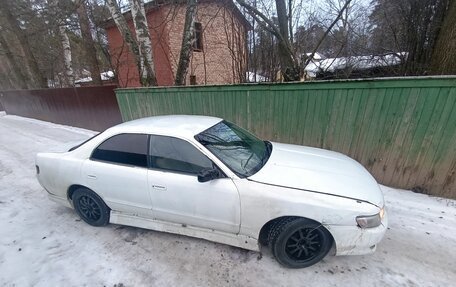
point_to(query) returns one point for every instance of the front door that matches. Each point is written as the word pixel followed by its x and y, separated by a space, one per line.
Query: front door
pixel 178 197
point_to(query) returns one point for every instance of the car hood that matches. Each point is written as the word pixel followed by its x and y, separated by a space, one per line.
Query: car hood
pixel 319 170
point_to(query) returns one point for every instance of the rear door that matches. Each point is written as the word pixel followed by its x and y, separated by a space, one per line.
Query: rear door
pixel 117 171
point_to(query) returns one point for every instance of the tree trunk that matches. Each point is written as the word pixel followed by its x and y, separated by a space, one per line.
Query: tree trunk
pixel 187 42
pixel 443 60
pixel 21 81
pixel 65 42
pixel 290 20
pixel 288 64
pixel 138 13
pixel 32 65
pixel 125 32
pixel 89 45
pixel 67 55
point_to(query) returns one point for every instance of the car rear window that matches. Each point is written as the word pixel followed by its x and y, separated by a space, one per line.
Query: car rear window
pixel 129 149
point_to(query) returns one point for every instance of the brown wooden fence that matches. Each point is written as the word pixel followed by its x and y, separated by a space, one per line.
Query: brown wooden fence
pixel 92 108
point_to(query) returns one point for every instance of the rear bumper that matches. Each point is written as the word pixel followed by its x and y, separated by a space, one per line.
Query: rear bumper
pixel 60 200
pixel 353 240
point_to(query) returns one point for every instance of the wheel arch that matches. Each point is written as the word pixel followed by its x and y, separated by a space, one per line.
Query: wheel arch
pixel 72 188
pixel 264 231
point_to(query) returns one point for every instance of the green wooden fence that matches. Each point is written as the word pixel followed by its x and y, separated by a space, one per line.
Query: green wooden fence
pixel 402 130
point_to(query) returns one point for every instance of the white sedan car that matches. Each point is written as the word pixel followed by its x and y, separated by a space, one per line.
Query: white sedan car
pixel 205 177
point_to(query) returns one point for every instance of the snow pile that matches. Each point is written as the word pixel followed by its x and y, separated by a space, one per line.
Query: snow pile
pixel 354 62
pixel 105 76
pixel 44 244
pixel 256 78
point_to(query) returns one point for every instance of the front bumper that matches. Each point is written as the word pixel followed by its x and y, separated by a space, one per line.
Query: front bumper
pixel 353 240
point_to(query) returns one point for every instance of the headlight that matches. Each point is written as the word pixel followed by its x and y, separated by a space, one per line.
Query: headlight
pixel 371 220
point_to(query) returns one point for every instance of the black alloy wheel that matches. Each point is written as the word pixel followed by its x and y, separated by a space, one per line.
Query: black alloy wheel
pixel 299 242
pixel 305 244
pixel 90 207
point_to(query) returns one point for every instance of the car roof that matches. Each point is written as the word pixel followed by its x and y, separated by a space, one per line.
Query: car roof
pixel 182 125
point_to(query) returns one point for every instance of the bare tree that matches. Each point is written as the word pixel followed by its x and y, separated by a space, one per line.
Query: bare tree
pixel 443 60
pixel 67 55
pixel 147 74
pixel 148 77
pixel 122 25
pixel 65 41
pixel 290 66
pixel 410 26
pixel 328 30
pixel 15 78
pixel 34 72
pixel 288 62
pixel 89 45
pixel 187 43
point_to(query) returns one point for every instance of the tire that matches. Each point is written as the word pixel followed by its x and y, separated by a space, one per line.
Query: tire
pixel 90 207
pixel 299 242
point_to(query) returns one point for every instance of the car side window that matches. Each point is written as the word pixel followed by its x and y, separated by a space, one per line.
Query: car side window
pixel 173 154
pixel 129 149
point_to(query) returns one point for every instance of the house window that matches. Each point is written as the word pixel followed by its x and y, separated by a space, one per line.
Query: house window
pixel 192 80
pixel 198 43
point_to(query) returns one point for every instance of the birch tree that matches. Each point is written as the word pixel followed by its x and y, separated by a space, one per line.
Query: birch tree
pixel 147 73
pixel 187 43
pixel 65 42
pixel 87 40
pixel 66 55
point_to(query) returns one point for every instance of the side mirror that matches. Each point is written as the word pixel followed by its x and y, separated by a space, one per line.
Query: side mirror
pixel 208 174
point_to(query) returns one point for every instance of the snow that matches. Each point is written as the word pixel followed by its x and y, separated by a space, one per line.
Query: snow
pixel 317 56
pixel 255 77
pixel 105 76
pixel 355 62
pixel 44 244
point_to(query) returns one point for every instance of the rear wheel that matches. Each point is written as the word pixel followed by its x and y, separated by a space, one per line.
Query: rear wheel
pixel 299 242
pixel 90 207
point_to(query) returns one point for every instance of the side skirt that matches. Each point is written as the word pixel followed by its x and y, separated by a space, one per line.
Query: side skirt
pixel 237 240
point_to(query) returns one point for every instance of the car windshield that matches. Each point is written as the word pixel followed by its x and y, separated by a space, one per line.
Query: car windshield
pixel 241 151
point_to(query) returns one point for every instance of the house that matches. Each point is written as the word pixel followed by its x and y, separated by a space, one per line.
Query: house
pixel 219 54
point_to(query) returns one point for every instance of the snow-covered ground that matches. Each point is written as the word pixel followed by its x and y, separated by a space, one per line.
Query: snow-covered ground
pixel 44 244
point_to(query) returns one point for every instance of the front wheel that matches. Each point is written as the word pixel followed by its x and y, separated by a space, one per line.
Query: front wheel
pixel 90 207
pixel 299 242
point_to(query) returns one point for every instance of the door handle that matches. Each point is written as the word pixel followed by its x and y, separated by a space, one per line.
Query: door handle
pixel 159 187
pixel 92 176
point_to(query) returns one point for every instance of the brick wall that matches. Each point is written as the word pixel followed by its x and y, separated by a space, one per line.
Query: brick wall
pixel 123 61
pixel 223 59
